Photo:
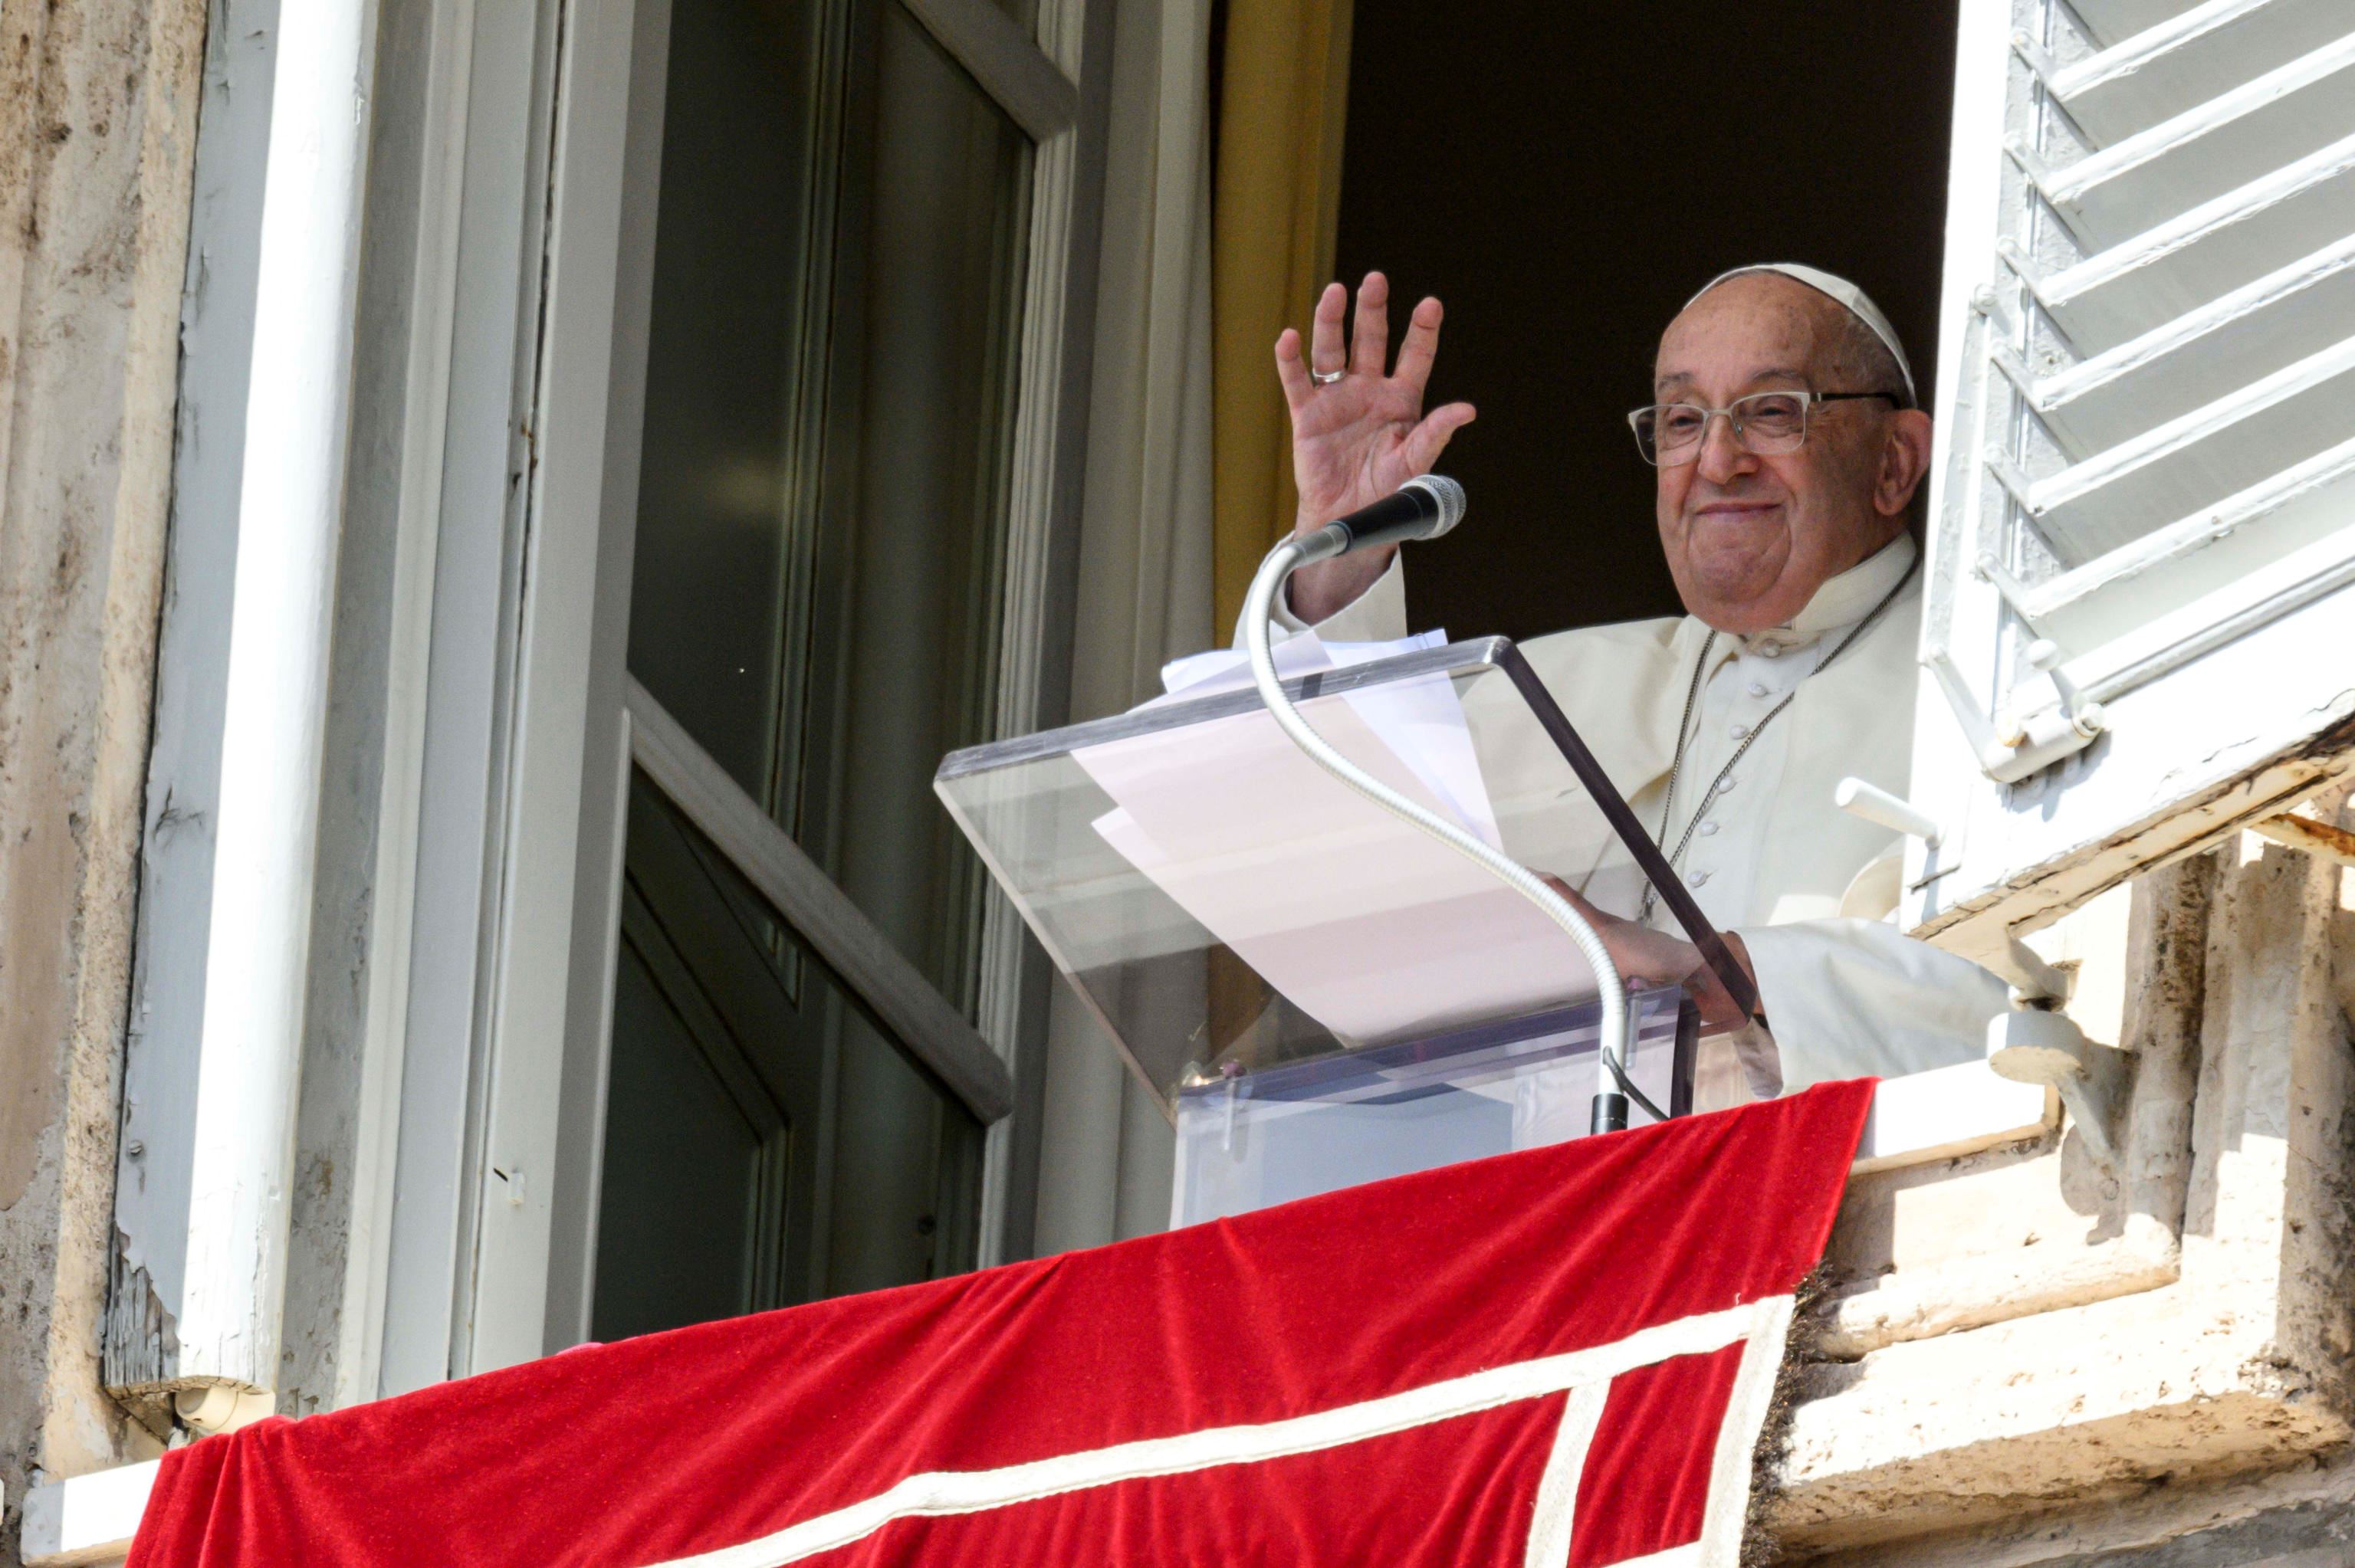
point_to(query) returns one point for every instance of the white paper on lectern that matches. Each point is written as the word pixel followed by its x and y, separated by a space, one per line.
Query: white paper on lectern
pixel 1370 926
pixel 1228 669
pixel 1421 720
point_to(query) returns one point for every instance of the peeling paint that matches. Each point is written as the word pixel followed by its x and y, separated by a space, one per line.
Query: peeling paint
pixel 97 115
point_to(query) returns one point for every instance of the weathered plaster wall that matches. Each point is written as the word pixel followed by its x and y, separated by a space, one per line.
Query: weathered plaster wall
pixel 98 113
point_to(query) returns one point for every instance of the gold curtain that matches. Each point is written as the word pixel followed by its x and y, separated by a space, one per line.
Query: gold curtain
pixel 1285 89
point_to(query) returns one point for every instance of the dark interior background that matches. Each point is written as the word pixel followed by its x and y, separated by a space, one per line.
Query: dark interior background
pixel 1563 178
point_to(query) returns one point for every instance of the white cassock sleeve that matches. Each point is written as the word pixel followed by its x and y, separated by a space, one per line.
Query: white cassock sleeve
pixel 1377 615
pixel 1848 997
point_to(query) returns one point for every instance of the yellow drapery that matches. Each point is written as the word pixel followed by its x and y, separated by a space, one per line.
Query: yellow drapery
pixel 1285 88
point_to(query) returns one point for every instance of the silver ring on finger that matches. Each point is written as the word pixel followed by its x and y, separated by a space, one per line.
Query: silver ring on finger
pixel 1327 378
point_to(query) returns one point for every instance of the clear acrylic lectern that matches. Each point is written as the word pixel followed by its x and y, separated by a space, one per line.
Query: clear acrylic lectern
pixel 1316 994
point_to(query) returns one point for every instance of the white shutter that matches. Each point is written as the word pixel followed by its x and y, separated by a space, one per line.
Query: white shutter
pixel 2138 629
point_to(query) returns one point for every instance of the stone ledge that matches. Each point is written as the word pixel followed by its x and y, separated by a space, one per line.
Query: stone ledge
pixel 2038 1414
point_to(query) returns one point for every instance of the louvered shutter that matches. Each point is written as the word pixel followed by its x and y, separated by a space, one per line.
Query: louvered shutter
pixel 2138 631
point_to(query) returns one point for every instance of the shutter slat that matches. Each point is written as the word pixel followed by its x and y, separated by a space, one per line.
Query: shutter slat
pixel 2154 75
pixel 2089 405
pixel 2296 505
pixel 2115 21
pixel 2207 151
pixel 2195 461
pixel 2218 246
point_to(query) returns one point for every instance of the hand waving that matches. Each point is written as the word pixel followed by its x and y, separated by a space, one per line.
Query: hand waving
pixel 1357 438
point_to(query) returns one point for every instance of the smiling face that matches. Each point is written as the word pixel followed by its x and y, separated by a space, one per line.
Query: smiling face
pixel 1750 538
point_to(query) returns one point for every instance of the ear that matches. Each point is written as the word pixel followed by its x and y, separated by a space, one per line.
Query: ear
pixel 1904 462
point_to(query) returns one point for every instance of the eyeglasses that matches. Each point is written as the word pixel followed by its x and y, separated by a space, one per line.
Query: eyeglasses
pixel 1670 435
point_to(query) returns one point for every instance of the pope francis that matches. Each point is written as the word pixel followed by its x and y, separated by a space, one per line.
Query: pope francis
pixel 1788 447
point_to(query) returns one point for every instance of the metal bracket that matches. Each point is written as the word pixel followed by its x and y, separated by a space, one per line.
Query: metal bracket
pixel 2017 748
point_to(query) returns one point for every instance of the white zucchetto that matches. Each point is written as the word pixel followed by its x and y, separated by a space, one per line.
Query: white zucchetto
pixel 1855 300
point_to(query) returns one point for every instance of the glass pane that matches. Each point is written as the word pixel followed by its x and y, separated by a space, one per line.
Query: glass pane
pixel 737 359
pixel 913 629
pixel 1317 1125
pixel 690 1167
pixel 829 410
pixel 822 529
pixel 719 1195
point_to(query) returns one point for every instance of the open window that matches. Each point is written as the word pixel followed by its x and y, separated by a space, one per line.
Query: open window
pixel 2143 526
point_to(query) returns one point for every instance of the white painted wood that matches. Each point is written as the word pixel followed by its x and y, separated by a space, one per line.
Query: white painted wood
pixel 2210 149
pixel 86 1520
pixel 2253 589
pixel 2204 251
pixel 502 82
pixel 917 1017
pixel 2186 759
pixel 2199 457
pixel 1950 1111
pixel 511 1186
pixel 606 780
pixel 2149 467
pixel 2148 76
pixel 1047 463
pixel 2114 21
pixel 274 717
pixel 176 852
pixel 1962 611
pixel 1004 60
pixel 2089 404
pixel 432 320
pixel 2301 831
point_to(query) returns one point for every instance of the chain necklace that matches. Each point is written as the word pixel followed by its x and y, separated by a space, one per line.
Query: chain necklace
pixel 1684 728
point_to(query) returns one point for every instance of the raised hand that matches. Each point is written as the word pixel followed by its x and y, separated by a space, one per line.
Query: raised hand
pixel 1358 438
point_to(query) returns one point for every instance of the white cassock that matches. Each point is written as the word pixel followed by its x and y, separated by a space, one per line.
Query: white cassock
pixel 1812 890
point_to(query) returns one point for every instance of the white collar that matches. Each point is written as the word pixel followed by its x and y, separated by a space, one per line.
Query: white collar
pixel 1840 602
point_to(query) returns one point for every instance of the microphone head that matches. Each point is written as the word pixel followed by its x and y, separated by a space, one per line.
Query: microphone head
pixel 1447 494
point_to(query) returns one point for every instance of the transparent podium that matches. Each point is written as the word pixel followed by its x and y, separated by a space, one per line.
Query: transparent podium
pixel 1316 994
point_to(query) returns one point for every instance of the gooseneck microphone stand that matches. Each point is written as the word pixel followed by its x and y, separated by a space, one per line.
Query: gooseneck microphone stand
pixel 1610 1112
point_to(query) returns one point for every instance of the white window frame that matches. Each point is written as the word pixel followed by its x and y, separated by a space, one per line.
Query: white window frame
pixel 524 1246
pixel 470 1088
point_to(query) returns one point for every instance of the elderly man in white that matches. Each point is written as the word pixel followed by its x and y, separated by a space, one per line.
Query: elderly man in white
pixel 1788 445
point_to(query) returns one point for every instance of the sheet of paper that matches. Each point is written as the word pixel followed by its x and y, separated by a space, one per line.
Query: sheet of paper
pixel 1420 720
pixel 1228 669
pixel 1368 926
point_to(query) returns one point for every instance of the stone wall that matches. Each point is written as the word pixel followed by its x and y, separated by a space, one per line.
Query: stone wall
pixel 2030 1360
pixel 98 117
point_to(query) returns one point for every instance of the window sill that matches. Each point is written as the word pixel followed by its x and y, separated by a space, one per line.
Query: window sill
pixel 86 1520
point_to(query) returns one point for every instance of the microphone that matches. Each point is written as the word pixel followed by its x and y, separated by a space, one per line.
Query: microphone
pixel 1422 508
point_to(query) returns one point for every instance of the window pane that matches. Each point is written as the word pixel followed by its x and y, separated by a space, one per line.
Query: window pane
pixel 718 1195
pixel 692 1169
pixel 735 364
pixel 822 530
pixel 829 411
pixel 917 625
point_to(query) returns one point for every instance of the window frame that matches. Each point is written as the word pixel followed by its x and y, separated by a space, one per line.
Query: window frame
pixel 525 1243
